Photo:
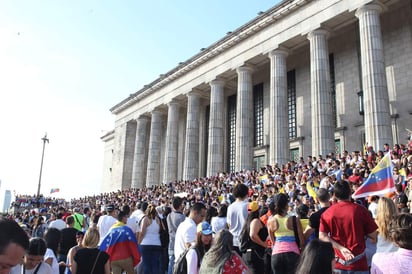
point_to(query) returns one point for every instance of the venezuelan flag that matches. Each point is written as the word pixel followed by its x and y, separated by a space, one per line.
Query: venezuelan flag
pixel 121 243
pixel 54 190
pixel 379 182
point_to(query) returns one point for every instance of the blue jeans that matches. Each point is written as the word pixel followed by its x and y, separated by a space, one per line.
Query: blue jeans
pixel 151 258
pixel 338 271
pixel 284 263
pixel 171 262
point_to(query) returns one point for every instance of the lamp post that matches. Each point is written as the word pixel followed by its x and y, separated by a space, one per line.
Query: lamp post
pixel 41 165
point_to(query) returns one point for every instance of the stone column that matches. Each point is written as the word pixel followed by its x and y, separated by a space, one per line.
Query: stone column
pixel 140 153
pixel 170 167
pixel 375 92
pixel 153 161
pixel 278 121
pixel 215 150
pixel 323 141
pixel 244 119
pixel 191 158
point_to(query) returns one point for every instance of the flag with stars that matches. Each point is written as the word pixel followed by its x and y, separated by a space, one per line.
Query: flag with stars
pixel 121 243
pixel 379 182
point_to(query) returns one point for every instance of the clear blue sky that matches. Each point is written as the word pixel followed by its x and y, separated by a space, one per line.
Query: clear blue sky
pixel 64 64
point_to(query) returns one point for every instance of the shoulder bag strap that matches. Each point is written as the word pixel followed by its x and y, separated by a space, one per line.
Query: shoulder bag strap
pixel 77 220
pixel 95 262
pixel 35 271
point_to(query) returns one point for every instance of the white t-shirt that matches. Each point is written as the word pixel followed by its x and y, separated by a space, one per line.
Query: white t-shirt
pixel 104 224
pixel 44 269
pixel 218 223
pixel 132 223
pixel 59 224
pixel 186 233
pixel 191 258
pixel 236 218
pixel 50 254
pixel 373 208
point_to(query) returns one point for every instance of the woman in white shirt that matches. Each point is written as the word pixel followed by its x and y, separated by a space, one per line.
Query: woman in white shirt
pixel 149 241
pixel 203 241
pixel 52 238
pixel 218 223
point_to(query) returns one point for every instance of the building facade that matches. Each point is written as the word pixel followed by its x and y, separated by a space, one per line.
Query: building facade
pixel 306 77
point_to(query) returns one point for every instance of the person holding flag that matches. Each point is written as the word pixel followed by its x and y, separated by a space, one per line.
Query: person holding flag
pixel 121 244
pixel 379 182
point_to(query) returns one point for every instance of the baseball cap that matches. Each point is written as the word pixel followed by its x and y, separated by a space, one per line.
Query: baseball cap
pixel 110 208
pixel 205 228
pixel 252 206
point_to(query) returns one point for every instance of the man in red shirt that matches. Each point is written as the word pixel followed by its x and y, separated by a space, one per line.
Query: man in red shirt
pixel 345 225
pixel 355 178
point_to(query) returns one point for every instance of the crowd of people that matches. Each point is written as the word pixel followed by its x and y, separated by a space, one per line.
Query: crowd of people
pixel 298 217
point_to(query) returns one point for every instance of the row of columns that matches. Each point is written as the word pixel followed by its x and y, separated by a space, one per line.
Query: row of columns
pixel 377 119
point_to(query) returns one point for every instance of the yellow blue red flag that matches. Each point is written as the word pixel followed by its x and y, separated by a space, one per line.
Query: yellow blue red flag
pixel 379 182
pixel 54 190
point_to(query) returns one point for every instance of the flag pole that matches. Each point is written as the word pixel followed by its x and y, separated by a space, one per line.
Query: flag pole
pixel 41 165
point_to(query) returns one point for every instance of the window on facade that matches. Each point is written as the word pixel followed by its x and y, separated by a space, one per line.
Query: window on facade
pixel 231 116
pixel 294 155
pixel 333 87
pixel 259 161
pixel 338 149
pixel 291 79
pixel 258 114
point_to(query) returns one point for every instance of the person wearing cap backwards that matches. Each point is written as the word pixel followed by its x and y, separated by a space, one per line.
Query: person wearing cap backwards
pixel 203 242
pixel 106 221
pixel 255 233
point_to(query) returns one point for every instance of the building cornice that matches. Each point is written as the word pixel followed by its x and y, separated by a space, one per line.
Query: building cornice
pixel 231 39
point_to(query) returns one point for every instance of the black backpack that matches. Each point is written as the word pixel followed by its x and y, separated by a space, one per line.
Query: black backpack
pixel 180 266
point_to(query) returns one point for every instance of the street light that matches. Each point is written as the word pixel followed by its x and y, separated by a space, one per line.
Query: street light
pixel 41 165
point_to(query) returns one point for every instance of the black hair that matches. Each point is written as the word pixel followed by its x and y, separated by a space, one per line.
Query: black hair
pixel 316 258
pixel 240 190
pixel 11 232
pixel 125 208
pixel 37 247
pixel 197 207
pixel 70 220
pixel 302 211
pixel 211 212
pixel 177 202
pixel 166 211
pixel 280 204
pixel 145 205
pixel 52 238
pixel 222 212
pixel 342 190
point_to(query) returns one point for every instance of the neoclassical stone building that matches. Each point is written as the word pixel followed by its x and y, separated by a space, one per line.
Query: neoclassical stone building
pixel 306 77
